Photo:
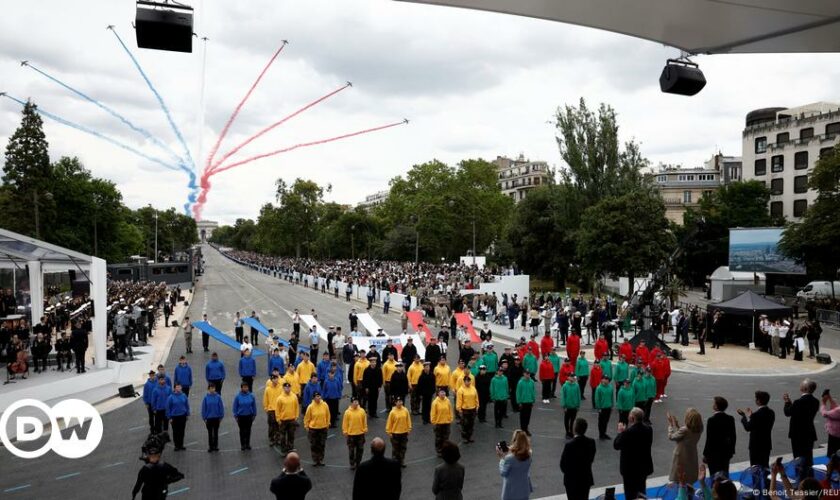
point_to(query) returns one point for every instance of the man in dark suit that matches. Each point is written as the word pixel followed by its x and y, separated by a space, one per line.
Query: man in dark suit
pixel 759 424
pixel 720 438
pixel 801 432
pixel 292 483
pixel 384 473
pixel 576 463
pixel 635 462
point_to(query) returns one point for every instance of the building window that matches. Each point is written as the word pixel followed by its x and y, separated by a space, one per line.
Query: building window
pixel 686 196
pixel 777 209
pixel 832 128
pixel 706 177
pixel 761 166
pixel 536 181
pixel 777 187
pixel 661 178
pixel 799 207
pixel 685 177
pixel 806 133
pixel 760 144
pixel 777 163
pixel 782 138
pixel 800 160
pixel 708 194
pixel 800 184
pixel 826 151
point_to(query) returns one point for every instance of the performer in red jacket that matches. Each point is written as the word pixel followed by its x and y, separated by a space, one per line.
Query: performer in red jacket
pixel 601 347
pixel 667 369
pixel 595 376
pixel 567 369
pixel 657 369
pixel 643 354
pixel 626 350
pixel 546 344
pixel 546 378
pixel 534 347
pixel 573 347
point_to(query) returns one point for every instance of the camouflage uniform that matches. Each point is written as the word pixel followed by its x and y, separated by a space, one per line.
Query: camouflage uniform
pixel 318 443
pixel 273 429
pixel 441 435
pixel 287 435
pixel 415 401
pixel 356 446
pixel 467 424
pixel 399 443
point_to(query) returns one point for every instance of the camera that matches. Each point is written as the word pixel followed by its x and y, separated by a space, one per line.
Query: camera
pixel 153 445
pixel 502 446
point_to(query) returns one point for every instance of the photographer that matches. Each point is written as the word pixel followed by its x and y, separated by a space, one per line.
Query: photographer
pixel 155 476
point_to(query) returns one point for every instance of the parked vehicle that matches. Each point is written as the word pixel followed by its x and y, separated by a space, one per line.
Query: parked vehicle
pixel 819 289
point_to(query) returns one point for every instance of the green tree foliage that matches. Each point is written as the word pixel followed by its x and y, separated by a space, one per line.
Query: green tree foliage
pixel 740 204
pixel 75 209
pixel 542 232
pixel 624 235
pixel 815 241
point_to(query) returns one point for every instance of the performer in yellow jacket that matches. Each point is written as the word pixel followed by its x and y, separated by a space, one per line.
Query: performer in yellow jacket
pixel 441 418
pixel 316 420
pixel 398 426
pixel 354 427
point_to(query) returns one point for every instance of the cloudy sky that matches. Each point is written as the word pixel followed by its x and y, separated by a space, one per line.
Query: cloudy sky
pixel 474 84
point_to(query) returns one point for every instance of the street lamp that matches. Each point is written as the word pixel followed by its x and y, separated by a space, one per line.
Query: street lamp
pixel 415 220
pixel 156 236
pixel 49 197
pixel 353 242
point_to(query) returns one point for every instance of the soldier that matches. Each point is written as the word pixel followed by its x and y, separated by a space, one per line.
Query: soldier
pixel 316 420
pixel 398 427
pixel 354 428
pixel 286 410
pixel 441 418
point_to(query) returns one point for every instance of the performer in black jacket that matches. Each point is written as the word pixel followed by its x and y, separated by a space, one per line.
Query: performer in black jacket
pixel 720 438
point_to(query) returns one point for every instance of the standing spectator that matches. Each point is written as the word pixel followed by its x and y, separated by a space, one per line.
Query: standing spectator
pixel 515 467
pixel 525 397
pixel 244 411
pixel 449 476
pixel 760 426
pixel 801 432
pixel 576 463
pixel 292 483
pixel 212 412
pixel 684 465
pixel 79 344
pixel 814 333
pixel 635 461
pixel 720 438
pixel 167 311
pixel 384 473
pixel 831 413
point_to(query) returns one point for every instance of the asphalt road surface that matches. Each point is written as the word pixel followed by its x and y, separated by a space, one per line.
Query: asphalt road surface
pixel 110 471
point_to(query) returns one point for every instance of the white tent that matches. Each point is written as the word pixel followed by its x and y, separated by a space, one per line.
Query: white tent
pixel 38 257
pixel 727 284
pixel 695 26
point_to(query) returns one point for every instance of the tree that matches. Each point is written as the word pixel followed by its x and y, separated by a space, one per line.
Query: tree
pixel 740 204
pixel 815 240
pixel 26 174
pixel 542 232
pixel 589 145
pixel 624 236
pixel 299 210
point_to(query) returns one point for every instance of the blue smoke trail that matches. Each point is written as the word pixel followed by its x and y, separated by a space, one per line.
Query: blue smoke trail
pixel 99 135
pixel 192 185
pixel 145 133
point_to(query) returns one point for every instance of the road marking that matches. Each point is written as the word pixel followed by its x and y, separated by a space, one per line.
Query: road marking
pixel 67 476
pixel 190 443
pixel 17 488
pixel 223 433
pixel 545 409
pixel 132 429
pixel 237 471
pixel 112 465
pixel 179 491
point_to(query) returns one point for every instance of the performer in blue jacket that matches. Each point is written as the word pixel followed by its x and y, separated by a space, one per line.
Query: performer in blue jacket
pixel 276 361
pixel 214 372
pixel 177 411
pixel 183 375
pixel 248 369
pixel 244 411
pixel 148 387
pixel 331 391
pixel 212 411
pixel 159 396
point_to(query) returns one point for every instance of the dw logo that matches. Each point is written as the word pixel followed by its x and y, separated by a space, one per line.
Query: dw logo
pixel 76 428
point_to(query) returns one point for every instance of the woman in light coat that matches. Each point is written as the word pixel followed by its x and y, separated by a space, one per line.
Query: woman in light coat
pixel 515 467
pixel 685 459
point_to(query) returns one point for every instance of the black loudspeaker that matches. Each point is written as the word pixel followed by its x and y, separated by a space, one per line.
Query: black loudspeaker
pixel 609 494
pixel 823 358
pixel 72 273
pixel 80 288
pixel 164 27
pixel 681 78
pixel 127 391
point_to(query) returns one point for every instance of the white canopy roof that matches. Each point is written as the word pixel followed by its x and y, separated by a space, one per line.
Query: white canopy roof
pixel 16 250
pixel 723 273
pixel 695 26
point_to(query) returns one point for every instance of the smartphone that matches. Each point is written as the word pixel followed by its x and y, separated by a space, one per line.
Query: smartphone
pixel 502 445
pixel 779 461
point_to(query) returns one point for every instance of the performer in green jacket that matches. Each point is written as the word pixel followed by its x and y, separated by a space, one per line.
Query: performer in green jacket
pixel 604 404
pixel 620 372
pixel 526 395
pixel 571 403
pixel 625 402
pixel 499 394
pixel 555 362
pixel 650 392
pixel 582 373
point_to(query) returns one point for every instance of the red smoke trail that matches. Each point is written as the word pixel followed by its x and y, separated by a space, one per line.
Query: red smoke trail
pixel 304 145
pixel 239 108
pixel 205 177
pixel 275 125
